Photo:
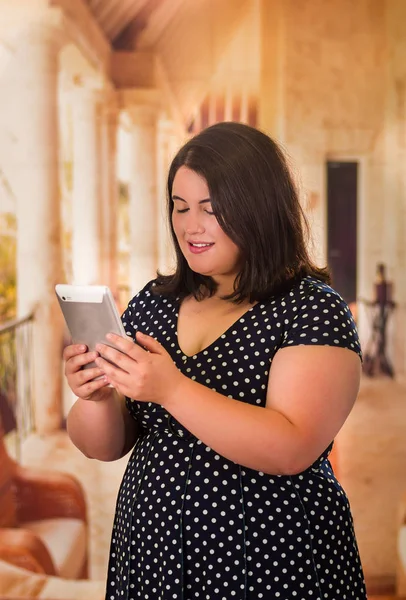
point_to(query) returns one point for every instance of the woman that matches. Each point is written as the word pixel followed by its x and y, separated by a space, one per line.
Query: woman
pixel 246 367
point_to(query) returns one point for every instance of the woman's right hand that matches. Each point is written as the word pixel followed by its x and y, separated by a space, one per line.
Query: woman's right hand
pixel 82 381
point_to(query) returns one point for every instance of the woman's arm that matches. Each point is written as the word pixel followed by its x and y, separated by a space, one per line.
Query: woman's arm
pixel 311 390
pixel 310 393
pixel 102 428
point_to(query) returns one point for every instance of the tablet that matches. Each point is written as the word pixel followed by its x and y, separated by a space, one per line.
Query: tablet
pixel 90 313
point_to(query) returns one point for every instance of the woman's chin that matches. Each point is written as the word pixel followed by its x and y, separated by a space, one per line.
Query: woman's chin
pixel 204 272
pixel 197 268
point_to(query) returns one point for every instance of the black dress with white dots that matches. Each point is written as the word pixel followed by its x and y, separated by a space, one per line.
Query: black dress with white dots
pixel 193 525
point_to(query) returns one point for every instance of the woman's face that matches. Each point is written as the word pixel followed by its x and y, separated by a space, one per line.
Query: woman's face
pixel 205 246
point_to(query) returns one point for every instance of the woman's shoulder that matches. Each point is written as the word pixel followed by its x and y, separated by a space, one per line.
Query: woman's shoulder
pixel 319 315
pixel 143 306
pixel 312 290
pixel 313 299
pixel 147 296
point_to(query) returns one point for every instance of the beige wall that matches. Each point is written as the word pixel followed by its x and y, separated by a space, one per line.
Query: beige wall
pixel 343 86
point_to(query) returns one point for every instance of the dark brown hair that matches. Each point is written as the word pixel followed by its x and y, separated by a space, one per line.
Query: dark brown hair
pixel 256 204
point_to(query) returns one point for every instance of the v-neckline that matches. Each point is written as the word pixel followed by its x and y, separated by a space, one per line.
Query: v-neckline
pixel 214 342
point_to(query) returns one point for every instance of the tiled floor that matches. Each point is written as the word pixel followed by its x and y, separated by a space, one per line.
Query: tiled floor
pixel 371 452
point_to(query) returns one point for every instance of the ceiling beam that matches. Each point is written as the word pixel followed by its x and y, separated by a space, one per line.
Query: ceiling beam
pixel 115 15
pixel 164 84
pixel 157 23
pixel 134 72
pixel 85 32
pixel 133 69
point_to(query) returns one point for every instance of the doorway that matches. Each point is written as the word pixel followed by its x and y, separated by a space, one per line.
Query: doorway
pixel 342 185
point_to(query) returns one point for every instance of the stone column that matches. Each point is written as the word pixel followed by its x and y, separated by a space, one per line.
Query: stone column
pixel 271 101
pixel 212 108
pixel 109 192
pixel 197 122
pixel 86 195
pixel 244 106
pixel 143 192
pixel 228 103
pixel 167 149
pixel 29 160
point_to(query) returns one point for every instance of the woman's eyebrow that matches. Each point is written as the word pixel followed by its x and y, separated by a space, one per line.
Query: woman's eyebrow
pixel 182 200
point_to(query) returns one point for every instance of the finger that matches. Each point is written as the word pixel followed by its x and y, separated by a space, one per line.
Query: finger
pixel 86 375
pixel 78 361
pixel 118 378
pixel 112 371
pixel 149 343
pixel 121 388
pixel 73 350
pixel 125 344
pixel 89 388
pixel 118 357
pixel 121 381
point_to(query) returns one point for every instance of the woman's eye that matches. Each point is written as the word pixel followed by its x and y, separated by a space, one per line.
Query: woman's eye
pixel 183 210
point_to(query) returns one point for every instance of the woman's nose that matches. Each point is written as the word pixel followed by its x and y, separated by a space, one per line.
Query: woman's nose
pixel 194 224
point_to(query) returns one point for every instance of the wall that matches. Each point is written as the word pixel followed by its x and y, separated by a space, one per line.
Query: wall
pixel 343 89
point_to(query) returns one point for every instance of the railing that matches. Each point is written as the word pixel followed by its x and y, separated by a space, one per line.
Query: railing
pixel 16 380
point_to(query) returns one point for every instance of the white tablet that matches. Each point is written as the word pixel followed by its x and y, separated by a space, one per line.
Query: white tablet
pixel 90 313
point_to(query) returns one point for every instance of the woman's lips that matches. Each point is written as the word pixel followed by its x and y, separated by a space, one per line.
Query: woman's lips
pixel 199 248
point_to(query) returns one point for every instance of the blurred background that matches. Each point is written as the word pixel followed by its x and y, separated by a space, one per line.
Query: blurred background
pixel 96 98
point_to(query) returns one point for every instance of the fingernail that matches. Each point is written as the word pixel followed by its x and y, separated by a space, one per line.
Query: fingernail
pixel 109 336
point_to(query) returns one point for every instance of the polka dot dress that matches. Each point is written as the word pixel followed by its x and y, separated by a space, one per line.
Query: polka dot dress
pixel 191 524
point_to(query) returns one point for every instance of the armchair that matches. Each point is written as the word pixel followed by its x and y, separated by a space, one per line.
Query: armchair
pixel 17 583
pixel 43 522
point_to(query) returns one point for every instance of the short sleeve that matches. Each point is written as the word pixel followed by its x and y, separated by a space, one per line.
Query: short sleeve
pixel 132 316
pixel 322 318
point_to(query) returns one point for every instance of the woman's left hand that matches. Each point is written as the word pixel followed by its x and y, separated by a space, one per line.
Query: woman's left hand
pixel 145 372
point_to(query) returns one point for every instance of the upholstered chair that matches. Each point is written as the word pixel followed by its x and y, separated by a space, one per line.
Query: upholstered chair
pixel 43 522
